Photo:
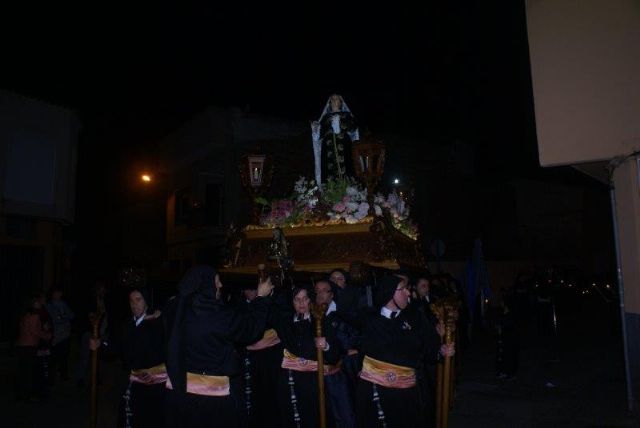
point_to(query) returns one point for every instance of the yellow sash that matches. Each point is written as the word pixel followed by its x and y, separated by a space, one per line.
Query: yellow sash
pixel 290 361
pixel 199 384
pixel 387 374
pixel 269 339
pixel 151 376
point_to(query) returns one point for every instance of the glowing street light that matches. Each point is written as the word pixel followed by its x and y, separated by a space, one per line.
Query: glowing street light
pixel 396 181
pixel 146 178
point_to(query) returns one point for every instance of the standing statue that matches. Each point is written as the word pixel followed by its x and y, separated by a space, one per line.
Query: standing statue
pixel 278 247
pixel 332 136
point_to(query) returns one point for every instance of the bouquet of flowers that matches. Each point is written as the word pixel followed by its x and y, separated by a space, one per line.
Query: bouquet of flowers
pixel 347 199
pixel 396 208
pixel 338 200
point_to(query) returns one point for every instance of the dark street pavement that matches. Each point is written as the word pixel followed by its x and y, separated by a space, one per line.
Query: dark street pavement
pixel 578 383
pixel 67 406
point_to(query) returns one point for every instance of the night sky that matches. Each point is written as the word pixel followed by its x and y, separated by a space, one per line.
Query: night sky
pixel 440 71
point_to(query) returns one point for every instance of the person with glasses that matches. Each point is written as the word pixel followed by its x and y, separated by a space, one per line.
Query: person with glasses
pixel 395 339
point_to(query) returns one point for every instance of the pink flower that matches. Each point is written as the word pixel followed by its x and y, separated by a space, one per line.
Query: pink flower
pixel 339 207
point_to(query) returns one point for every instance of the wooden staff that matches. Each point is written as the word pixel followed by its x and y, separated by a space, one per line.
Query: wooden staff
pixel 455 369
pixel 452 383
pixel 95 324
pixel 450 316
pixel 318 313
pixel 439 384
pixel 447 312
pixel 438 311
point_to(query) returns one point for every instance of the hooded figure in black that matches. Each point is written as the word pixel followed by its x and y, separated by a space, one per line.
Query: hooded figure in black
pixel 395 338
pixel 203 364
pixel 143 356
pixel 262 361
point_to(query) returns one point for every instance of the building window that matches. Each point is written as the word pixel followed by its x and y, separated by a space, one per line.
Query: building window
pixel 182 207
pixel 213 205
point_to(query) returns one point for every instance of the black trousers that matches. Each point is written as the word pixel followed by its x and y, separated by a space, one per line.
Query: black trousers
pixel 60 359
pixel 27 371
pixel 264 369
pixel 141 406
pixel 427 385
pixel 401 407
pixel 200 411
pixel 306 397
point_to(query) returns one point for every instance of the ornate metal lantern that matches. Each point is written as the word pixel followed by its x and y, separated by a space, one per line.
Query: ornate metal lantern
pixel 256 172
pixel 368 163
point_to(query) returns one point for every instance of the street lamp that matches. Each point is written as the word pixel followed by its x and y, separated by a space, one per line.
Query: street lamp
pixel 256 172
pixel 146 178
pixel 368 162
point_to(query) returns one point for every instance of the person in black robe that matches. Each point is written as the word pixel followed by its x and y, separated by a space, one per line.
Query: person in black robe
pixel 298 385
pixel 341 396
pixel 262 361
pixel 427 377
pixel 204 367
pixel 143 356
pixel 349 301
pixel 395 339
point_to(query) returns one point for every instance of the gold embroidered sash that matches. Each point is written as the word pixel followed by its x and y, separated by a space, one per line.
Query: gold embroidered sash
pixel 269 338
pixel 151 376
pixel 290 361
pixel 387 374
pixel 199 384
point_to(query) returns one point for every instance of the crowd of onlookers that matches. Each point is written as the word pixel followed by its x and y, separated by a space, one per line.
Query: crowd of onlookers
pixel 43 343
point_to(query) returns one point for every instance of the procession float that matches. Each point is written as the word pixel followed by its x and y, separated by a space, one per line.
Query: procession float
pixel 334 219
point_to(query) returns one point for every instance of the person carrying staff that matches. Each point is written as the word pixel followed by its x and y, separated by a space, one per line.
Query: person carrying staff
pixel 395 339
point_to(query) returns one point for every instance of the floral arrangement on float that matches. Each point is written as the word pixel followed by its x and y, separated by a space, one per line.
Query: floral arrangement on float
pixel 339 200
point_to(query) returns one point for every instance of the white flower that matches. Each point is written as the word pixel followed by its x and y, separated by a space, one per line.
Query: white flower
pixel 352 206
pixel 364 208
pixel 401 207
pixel 352 191
pixel 392 199
pixel 301 185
